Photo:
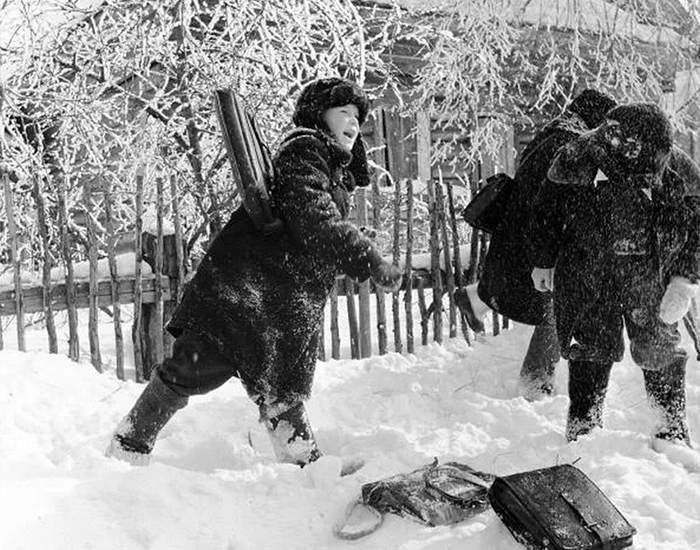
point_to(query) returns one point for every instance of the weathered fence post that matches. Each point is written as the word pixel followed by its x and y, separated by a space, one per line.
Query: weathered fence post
pixel 136 327
pixel 379 156
pixel 16 261
pixel 93 249
pixel 378 294
pixel 363 292
pixel 160 252
pixel 352 317
pixel 474 236
pixel 47 284
pixel 179 247
pixel 459 276
pixel 449 274
pixel 335 331
pixel 436 306
pixel 496 323
pixel 157 333
pixel 321 354
pixel 424 314
pixel 395 299
pixel 114 284
pixel 408 275
pixel 73 341
pixel 12 229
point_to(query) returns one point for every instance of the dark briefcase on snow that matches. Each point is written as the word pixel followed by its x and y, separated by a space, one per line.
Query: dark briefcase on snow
pixel 559 508
pixel 487 208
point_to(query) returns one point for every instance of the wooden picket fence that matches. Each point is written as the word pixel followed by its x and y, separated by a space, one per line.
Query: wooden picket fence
pixel 154 296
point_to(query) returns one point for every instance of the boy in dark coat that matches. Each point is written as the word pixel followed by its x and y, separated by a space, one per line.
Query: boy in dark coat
pixel 620 217
pixel 254 308
pixel 505 285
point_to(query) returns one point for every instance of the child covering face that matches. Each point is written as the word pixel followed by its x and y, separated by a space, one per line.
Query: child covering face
pixel 619 216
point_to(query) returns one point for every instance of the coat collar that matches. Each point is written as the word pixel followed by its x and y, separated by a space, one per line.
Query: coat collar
pixel 339 155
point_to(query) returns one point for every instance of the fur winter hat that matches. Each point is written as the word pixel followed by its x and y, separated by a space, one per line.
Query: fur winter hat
pixel 325 93
pixel 634 142
pixel 591 105
pixel 645 122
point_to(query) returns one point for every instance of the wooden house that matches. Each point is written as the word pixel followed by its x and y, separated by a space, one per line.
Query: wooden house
pixel 657 30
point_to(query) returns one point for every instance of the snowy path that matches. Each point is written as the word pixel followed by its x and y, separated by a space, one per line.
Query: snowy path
pixel 213 483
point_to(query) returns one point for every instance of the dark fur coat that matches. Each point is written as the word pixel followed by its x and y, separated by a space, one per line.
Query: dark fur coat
pixel 615 243
pixel 505 283
pixel 260 299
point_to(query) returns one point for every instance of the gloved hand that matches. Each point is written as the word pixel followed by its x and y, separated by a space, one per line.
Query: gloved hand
pixel 676 301
pixel 387 277
pixel 543 278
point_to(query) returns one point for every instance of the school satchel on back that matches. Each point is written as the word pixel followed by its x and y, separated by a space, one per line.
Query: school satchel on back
pixel 251 165
pixel 487 208
pixel 559 508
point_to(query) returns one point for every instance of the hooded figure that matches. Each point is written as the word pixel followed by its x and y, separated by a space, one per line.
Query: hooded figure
pixel 505 284
pixel 254 307
pixel 620 218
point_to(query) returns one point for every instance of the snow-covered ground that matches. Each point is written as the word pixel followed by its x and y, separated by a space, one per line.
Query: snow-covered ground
pixel 213 483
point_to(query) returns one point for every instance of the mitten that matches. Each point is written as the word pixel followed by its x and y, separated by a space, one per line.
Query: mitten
pixel 676 301
pixel 543 278
pixel 387 277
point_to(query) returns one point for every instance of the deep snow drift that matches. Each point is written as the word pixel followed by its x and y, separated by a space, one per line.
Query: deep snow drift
pixel 213 483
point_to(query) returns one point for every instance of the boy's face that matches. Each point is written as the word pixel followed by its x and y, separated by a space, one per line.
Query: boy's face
pixel 344 125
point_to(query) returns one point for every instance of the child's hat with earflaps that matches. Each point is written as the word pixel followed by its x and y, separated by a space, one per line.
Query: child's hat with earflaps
pixel 325 93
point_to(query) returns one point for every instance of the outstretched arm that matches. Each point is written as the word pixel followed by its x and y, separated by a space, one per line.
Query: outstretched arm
pixel 303 195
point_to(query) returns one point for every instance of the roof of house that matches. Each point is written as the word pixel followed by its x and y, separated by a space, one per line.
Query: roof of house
pixel 646 20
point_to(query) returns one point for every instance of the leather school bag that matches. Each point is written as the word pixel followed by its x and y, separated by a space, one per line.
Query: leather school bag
pixel 559 508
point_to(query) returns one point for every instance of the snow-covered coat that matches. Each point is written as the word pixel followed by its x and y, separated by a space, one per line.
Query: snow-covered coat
pixel 260 299
pixel 616 242
pixel 505 283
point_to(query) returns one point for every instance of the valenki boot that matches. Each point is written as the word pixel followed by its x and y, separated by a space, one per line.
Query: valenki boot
pixel 536 379
pixel 292 438
pixel 135 436
pixel 666 392
pixel 588 384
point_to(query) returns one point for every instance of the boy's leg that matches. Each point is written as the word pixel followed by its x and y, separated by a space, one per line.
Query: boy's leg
pixel 287 425
pixel 597 343
pixel 471 306
pixel 194 368
pixel 290 432
pixel 135 436
pixel 654 346
pixel 666 392
pixel 588 384
pixel 543 353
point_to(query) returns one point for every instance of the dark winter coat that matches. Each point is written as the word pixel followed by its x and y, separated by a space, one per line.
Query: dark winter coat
pixel 505 283
pixel 260 299
pixel 612 244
